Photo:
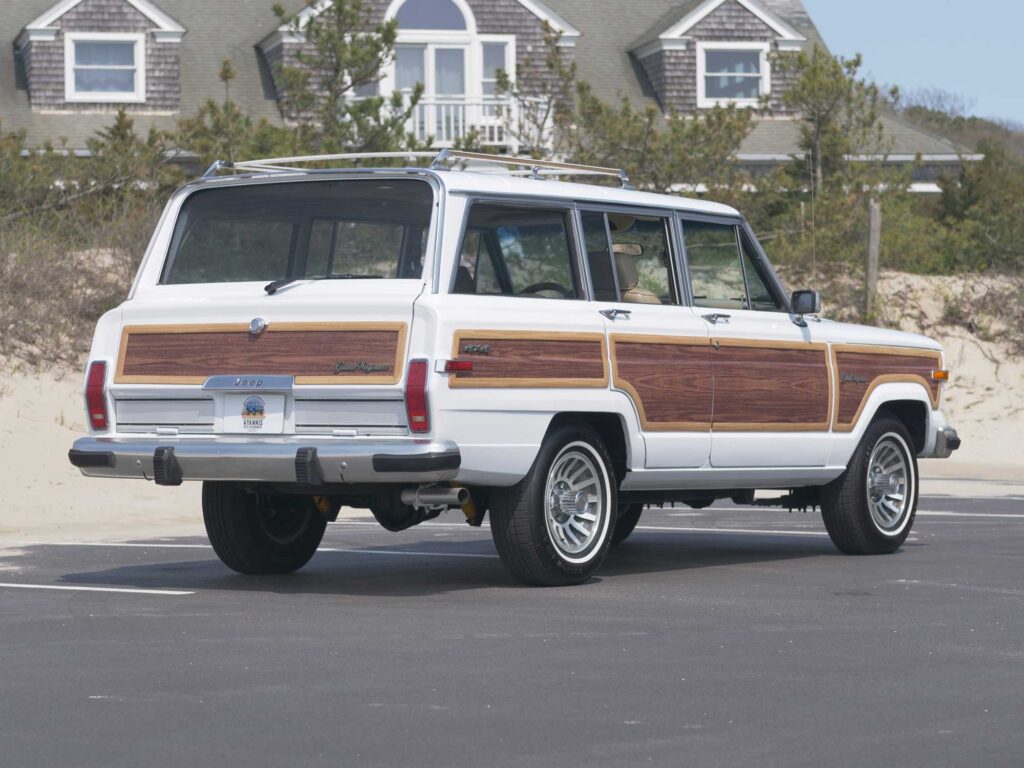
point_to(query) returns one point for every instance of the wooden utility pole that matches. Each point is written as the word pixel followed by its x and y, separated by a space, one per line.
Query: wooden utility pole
pixel 874 247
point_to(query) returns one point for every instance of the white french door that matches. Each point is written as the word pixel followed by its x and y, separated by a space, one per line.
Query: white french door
pixel 442 68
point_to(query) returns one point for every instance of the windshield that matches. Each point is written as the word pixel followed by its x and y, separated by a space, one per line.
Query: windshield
pixel 296 230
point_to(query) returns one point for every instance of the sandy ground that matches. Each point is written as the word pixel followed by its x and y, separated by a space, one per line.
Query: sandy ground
pixel 46 499
pixel 985 397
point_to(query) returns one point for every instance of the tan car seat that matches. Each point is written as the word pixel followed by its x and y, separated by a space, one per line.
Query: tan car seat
pixel 629 280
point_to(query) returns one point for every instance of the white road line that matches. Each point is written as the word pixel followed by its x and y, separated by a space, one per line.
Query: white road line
pixel 131 545
pixel 164 592
pixel 730 530
pixel 970 514
pixel 920 512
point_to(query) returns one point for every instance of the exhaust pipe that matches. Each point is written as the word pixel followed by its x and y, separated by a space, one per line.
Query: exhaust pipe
pixel 435 496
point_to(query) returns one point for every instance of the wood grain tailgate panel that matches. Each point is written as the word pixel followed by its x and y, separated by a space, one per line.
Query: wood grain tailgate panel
pixel 668 379
pixel 369 353
pixel 758 386
pixel 525 359
pixel 858 372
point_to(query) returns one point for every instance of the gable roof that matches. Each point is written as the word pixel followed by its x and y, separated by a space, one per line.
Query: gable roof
pixel 167 29
pixel 686 15
pixel 608 63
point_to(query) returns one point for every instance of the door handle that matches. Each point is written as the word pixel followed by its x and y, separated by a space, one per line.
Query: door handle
pixel 615 314
pixel 716 318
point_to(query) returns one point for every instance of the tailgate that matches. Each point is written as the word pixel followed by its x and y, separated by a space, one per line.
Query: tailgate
pixel 266 366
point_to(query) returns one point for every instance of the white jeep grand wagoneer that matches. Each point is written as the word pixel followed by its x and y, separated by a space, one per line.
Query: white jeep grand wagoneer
pixel 412 340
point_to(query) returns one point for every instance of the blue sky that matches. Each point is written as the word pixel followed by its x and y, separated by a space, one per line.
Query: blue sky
pixel 974 49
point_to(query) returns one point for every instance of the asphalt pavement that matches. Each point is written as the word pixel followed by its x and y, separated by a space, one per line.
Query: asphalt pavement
pixel 722 637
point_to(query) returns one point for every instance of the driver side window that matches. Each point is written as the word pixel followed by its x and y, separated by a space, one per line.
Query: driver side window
pixel 516 251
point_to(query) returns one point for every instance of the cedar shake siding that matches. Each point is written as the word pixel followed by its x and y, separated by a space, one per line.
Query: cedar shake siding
pixel 673 73
pixel 45 65
pixel 508 17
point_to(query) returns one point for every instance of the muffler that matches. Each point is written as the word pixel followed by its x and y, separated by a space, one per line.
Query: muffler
pixel 435 496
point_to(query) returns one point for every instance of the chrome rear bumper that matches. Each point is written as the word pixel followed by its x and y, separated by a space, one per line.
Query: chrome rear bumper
pixel 168 461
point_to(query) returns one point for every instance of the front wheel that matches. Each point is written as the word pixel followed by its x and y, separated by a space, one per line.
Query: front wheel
pixel 554 527
pixel 870 509
pixel 256 533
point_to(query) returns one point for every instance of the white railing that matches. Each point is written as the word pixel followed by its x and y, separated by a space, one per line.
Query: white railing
pixel 446 121
pixel 505 124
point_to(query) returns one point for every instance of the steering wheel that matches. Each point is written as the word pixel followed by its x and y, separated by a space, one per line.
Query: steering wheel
pixel 548 286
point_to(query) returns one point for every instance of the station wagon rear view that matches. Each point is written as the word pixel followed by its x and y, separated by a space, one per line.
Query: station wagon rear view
pixel 547 355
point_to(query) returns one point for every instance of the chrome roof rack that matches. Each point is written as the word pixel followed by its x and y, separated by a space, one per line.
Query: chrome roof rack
pixel 536 169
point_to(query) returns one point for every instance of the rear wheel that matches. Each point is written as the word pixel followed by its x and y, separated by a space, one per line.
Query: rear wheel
pixel 261 533
pixel 625 522
pixel 555 526
pixel 870 509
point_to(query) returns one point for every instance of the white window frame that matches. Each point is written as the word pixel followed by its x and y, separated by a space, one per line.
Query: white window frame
pixel 765 87
pixel 510 58
pixel 138 96
pixel 468 39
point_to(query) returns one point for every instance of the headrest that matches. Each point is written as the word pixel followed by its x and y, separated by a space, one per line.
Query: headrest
pixel 625 268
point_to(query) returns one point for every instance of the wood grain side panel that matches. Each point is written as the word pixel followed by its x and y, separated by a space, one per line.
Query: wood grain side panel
pixel 669 380
pixel 368 353
pixel 860 370
pixel 779 388
pixel 525 359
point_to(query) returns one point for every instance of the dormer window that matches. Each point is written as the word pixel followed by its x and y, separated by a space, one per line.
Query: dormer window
pixel 104 67
pixel 732 73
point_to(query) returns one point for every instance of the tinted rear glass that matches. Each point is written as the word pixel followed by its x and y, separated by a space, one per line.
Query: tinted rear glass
pixel 265 232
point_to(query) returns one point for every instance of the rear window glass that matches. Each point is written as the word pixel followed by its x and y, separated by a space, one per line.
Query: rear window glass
pixel 266 232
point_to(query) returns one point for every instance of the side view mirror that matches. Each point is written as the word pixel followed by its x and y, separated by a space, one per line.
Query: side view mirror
pixel 806 302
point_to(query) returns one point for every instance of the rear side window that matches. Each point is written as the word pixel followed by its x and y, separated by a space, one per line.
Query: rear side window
pixel 265 232
pixel 629 257
pixel 517 251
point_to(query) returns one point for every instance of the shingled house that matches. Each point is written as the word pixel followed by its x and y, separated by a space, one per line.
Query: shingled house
pixel 71 64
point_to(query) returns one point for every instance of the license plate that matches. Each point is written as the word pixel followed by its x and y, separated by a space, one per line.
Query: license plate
pixel 254 414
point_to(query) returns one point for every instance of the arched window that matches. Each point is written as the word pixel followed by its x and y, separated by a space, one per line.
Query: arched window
pixel 430 14
pixel 440 49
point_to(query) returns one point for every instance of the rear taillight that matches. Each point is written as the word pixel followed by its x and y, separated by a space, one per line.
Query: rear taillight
pixel 416 396
pixel 95 397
